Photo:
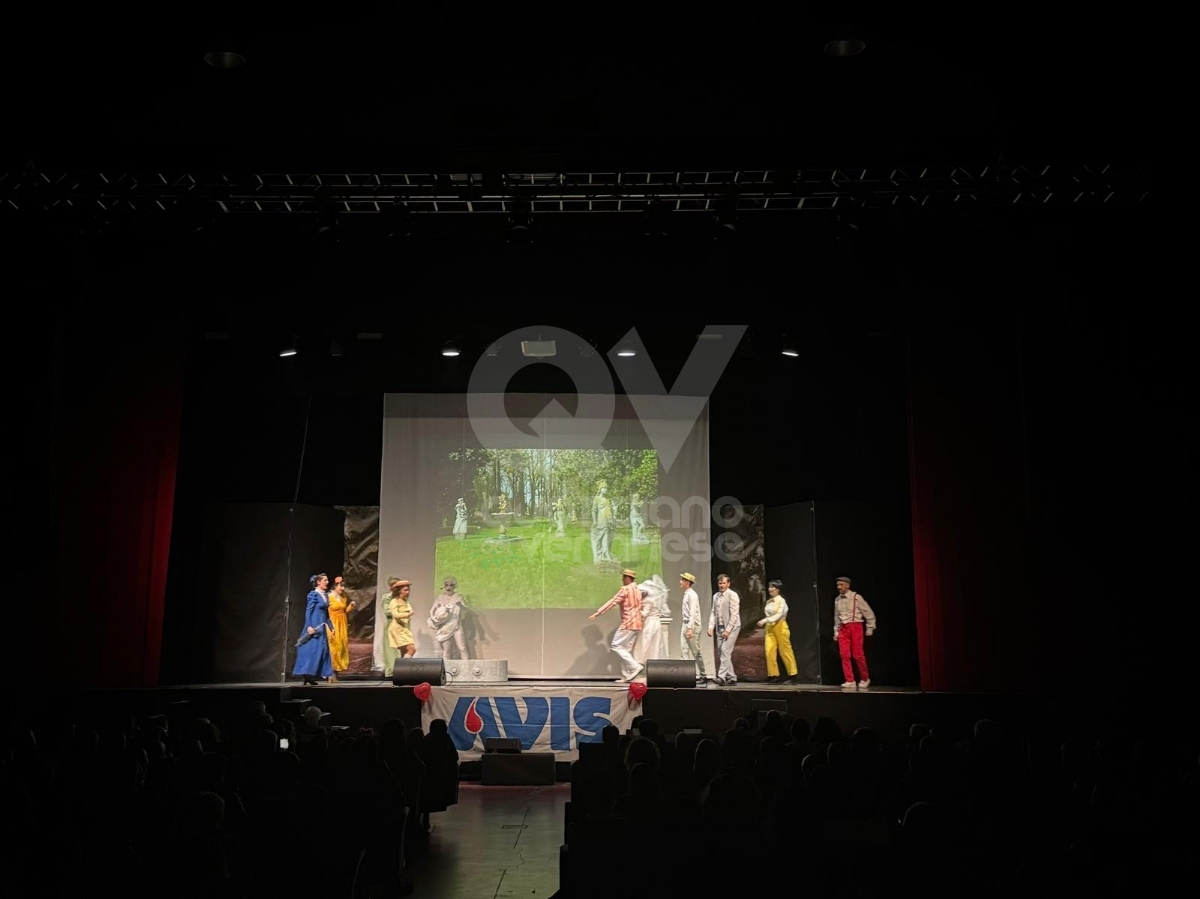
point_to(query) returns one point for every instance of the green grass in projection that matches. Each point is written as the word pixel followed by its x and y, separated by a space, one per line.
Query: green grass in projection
pixel 546 528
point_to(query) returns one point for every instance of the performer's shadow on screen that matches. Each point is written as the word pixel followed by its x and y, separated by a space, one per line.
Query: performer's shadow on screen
pixel 596 658
pixel 478 632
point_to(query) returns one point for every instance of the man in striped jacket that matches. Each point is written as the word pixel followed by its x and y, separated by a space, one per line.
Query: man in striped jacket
pixel 629 598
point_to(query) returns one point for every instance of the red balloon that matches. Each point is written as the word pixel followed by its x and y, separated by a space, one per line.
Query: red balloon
pixel 636 691
pixel 423 692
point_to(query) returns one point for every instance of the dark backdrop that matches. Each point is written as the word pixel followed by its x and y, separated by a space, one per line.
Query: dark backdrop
pixel 792 558
pixel 249 607
pixel 861 541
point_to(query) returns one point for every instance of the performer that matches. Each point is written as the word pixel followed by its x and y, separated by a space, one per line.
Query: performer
pixel 629 598
pixel 689 638
pixel 724 624
pixel 779 637
pixel 850 613
pixel 460 519
pixel 445 619
pixel 400 613
pixel 312 656
pixel 654 603
pixel 339 637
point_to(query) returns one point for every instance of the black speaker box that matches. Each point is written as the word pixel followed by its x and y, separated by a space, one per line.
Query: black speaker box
pixel 501 744
pixel 410 672
pixel 670 673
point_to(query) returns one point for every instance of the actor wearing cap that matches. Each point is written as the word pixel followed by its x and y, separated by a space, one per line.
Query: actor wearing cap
pixel 850 614
pixel 689 638
pixel 445 618
pixel 339 637
pixel 778 641
pixel 629 598
pixel 400 613
pixel 312 656
pixel 724 624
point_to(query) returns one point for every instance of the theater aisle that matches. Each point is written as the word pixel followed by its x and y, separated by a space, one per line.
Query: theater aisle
pixel 497 841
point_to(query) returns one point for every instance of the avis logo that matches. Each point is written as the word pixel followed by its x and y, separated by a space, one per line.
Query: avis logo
pixel 500 716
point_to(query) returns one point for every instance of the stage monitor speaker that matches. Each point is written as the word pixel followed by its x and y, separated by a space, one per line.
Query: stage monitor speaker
pixel 501 744
pixel 410 672
pixel 670 673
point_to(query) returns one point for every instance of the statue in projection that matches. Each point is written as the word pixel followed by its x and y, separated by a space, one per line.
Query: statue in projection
pixel 560 517
pixel 460 519
pixel 602 516
pixel 636 522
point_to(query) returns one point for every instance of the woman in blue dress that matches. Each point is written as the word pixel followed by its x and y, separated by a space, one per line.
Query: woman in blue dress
pixel 312 655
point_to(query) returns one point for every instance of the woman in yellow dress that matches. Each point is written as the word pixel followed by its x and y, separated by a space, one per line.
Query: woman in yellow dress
pixel 339 637
pixel 400 613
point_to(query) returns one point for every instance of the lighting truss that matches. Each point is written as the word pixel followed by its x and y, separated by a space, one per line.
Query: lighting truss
pixel 725 192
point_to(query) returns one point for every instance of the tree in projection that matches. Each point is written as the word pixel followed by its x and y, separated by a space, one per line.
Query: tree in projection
pixel 460 477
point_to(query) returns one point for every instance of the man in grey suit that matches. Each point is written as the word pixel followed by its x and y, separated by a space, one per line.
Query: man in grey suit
pixel 724 623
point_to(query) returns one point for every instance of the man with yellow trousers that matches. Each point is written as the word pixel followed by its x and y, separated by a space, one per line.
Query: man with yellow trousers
pixel 779 638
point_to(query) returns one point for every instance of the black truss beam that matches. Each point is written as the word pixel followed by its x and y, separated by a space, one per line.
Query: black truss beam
pixel 482 193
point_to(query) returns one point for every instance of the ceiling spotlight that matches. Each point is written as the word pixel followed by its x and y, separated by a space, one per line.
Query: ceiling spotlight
pixel 291 349
pixel 451 348
pixel 790 350
pixel 626 350
pixel 844 41
pixel 225 55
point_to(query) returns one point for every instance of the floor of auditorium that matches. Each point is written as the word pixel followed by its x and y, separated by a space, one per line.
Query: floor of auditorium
pixel 512 836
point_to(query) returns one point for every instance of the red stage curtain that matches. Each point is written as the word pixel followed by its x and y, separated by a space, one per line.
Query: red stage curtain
pixel 118 423
pixel 969 505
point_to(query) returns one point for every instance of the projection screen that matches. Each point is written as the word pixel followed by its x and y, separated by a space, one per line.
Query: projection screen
pixel 535 532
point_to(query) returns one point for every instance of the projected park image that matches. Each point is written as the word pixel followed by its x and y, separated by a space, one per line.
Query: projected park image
pixel 545 528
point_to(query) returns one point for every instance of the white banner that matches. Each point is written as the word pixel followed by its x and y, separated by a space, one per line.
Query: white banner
pixel 545 719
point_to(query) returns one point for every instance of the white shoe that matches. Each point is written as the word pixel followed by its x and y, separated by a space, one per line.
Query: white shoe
pixel 863 684
pixel 849 685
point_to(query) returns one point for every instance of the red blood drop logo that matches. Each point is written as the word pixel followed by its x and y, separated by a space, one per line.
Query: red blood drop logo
pixel 472 722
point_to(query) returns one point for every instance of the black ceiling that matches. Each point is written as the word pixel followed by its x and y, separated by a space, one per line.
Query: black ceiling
pixel 380 87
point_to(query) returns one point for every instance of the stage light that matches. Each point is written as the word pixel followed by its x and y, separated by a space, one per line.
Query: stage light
pixel 844 41
pixel 225 54
pixel 789 350
pixel 291 349
pixel 539 349
pixel 626 350
pixel 451 348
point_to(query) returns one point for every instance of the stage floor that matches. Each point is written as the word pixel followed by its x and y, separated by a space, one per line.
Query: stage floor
pixel 371 683
pixel 370 701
